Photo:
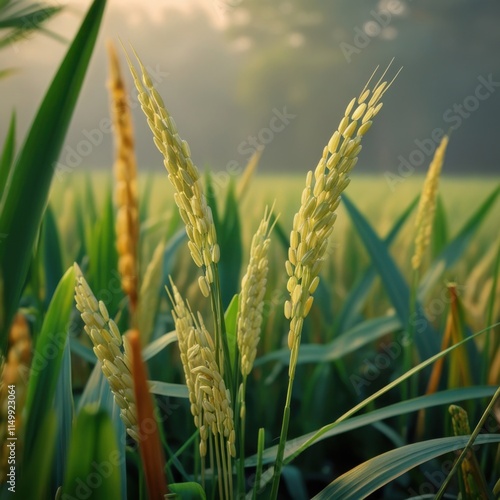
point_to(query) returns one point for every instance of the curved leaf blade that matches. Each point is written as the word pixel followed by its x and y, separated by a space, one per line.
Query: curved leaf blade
pixel 368 477
pixel 36 161
pixel 48 357
pixel 394 283
pixel 455 249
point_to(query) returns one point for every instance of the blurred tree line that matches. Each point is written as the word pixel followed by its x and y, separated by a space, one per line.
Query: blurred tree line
pixel 311 55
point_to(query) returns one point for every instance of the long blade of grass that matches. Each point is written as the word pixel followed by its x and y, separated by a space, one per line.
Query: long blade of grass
pixel 168 389
pixel 52 258
pixel 368 331
pixel 103 257
pixel 402 408
pixel 159 344
pixel 97 392
pixel 231 250
pixel 93 452
pixel 231 317
pixel 23 201
pixel 36 469
pixel 353 303
pixel 64 410
pixel 394 283
pixel 47 357
pixel 8 152
pixel 368 477
pixel 455 249
pixel 388 387
pixel 439 237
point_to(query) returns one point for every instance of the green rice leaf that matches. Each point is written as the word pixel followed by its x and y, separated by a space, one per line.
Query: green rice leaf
pixel 64 411
pixel 231 319
pixel 97 392
pixel 93 466
pixel 158 345
pixel 52 258
pixel 439 237
pixel 168 389
pixel 22 203
pixel 83 351
pixel 231 251
pixel 394 283
pixel 294 481
pixel 443 398
pixel 34 477
pixel 363 333
pixel 368 477
pixel 103 275
pixel 354 302
pixel 47 358
pixel 295 447
pixel 457 246
pixel 8 152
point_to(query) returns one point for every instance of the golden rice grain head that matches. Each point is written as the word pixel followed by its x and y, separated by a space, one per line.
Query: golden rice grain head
pixel 313 223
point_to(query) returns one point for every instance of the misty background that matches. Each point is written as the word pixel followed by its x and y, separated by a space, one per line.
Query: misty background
pixel 238 74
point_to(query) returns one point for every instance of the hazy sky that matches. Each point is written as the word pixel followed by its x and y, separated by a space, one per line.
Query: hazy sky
pixel 146 25
pixel 222 91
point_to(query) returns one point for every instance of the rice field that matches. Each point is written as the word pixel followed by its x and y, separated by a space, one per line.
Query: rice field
pixel 314 336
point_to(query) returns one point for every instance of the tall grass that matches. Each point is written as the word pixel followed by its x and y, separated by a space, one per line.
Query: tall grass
pixel 284 360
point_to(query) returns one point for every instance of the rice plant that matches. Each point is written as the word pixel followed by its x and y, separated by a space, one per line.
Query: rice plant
pixel 203 353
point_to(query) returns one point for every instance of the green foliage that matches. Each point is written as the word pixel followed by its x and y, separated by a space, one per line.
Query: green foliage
pixel 47 358
pixel 19 19
pixel 93 465
pixel 20 220
pixel 348 403
pixel 371 475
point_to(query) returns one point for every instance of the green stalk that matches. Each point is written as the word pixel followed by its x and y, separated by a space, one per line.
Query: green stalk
pixel 258 470
pixel 219 467
pixel 241 412
pixel 285 420
pixel 221 344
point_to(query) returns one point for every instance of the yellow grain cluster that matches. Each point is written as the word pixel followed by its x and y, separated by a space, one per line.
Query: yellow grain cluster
pixel 184 177
pixel 127 219
pixel 313 224
pixel 251 299
pixel 209 398
pixel 427 205
pixel 14 373
pixel 115 364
